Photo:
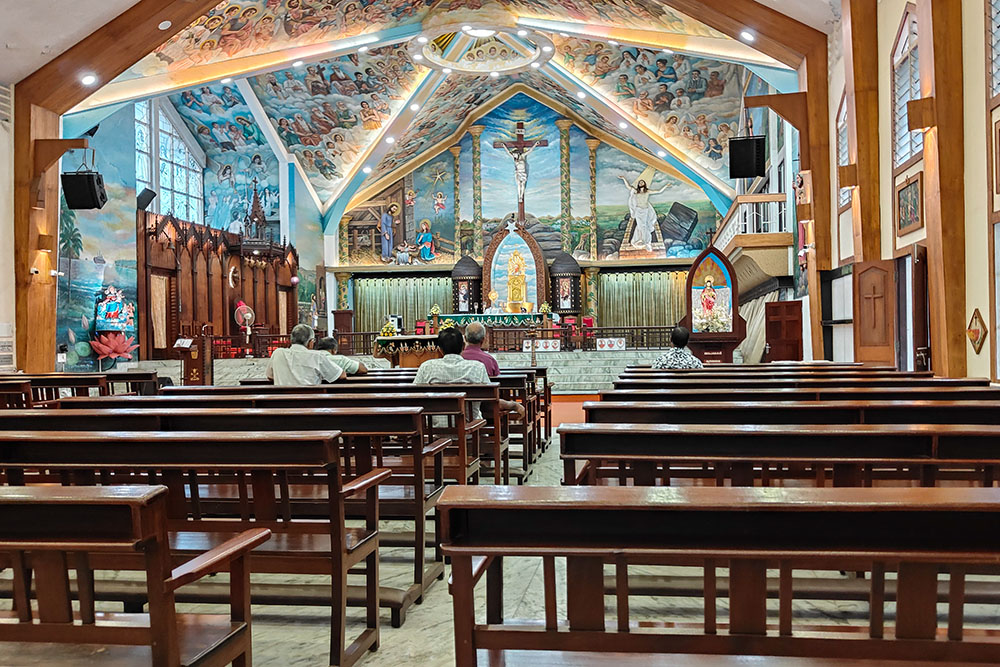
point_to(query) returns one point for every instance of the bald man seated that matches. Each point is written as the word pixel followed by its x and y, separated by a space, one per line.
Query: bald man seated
pixel 475 334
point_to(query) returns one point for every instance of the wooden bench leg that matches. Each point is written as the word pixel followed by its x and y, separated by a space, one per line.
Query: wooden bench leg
pixel 462 590
pixel 371 596
pixel 747 597
pixel 338 614
pixel 585 593
pixel 494 592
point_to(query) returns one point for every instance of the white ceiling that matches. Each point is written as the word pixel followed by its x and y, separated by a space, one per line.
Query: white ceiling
pixel 33 33
pixel 820 14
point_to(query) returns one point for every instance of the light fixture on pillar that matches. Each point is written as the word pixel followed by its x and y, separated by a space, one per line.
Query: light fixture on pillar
pixel 847 175
pixel 921 114
pixel 46 243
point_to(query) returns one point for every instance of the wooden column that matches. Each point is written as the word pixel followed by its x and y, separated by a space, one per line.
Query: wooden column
pixel 343 242
pixel 477 192
pixel 343 279
pixel 940 40
pixel 590 282
pixel 565 234
pixel 593 145
pixel 456 152
pixel 860 56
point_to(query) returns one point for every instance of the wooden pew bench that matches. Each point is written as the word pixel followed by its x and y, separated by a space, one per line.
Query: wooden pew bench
pixel 47 531
pixel 221 483
pixel 15 394
pixel 49 386
pixel 800 394
pixel 769 367
pixel 407 498
pixel 461 462
pixel 917 533
pixel 809 384
pixel 143 383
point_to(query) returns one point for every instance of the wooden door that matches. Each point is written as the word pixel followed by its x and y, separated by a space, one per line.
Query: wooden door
pixel 875 312
pixel 921 324
pixel 783 329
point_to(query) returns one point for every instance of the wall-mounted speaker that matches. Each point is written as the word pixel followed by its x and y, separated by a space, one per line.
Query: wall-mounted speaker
pixel 144 199
pixel 746 157
pixel 84 190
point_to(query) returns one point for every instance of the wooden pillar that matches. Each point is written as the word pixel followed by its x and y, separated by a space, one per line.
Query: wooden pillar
pixel 814 74
pixel 477 192
pixel 593 145
pixel 565 235
pixel 456 152
pixel 343 278
pixel 590 282
pixel 860 54
pixel 940 41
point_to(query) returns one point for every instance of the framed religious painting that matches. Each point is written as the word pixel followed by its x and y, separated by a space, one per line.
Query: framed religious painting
pixel 464 296
pixel 977 331
pixel 565 293
pixel 713 308
pixel 909 205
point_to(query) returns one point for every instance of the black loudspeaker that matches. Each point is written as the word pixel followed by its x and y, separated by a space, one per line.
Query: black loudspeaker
pixel 144 199
pixel 746 157
pixel 84 190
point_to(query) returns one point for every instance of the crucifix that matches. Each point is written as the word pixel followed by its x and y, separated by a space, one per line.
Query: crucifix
pixel 873 297
pixel 518 151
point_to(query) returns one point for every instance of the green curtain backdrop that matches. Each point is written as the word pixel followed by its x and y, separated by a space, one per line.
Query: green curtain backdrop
pixel 374 298
pixel 633 299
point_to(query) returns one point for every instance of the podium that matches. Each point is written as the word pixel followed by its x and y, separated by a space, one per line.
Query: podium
pixel 407 351
pixel 196 360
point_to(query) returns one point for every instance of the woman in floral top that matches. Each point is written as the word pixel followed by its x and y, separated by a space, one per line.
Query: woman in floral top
pixel 679 356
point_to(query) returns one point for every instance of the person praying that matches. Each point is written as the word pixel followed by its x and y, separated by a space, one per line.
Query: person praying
pixel 300 366
pixel 679 356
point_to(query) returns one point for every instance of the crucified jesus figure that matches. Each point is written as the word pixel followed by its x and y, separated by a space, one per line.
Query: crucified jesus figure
pixel 520 157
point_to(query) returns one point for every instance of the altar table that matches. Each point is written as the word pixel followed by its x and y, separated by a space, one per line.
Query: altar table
pixel 497 320
pixel 407 351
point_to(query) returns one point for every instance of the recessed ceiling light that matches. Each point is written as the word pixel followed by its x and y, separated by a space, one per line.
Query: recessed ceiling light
pixel 466 28
pixel 88 79
pixel 522 33
pixel 298 63
pixel 417 56
pixel 494 74
pixel 661 153
pixel 747 36
pixel 564 34
pixel 447 70
pixel 536 65
pixel 623 125
pixel 422 39
pixel 481 32
pixel 362 49
pixel 366 170
pixel 164 25
pixel 227 80
pixel 414 107
pixel 547 49
pixel 612 42
pixel 667 50
pixel 390 140
pixel 581 94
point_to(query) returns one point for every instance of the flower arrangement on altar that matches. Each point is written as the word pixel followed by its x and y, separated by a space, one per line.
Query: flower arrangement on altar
pixel 435 309
pixel 388 330
pixel 448 323
pixel 545 308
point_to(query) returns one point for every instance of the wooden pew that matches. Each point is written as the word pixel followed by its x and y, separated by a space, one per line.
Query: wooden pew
pixel 768 367
pixel 409 497
pixel 544 395
pixel 15 394
pixel 742 453
pixel 810 384
pixel 144 383
pixel 48 386
pixel 914 532
pixel 792 394
pixel 289 483
pixel 460 466
pixel 45 532
pixel 711 373
pixel 793 412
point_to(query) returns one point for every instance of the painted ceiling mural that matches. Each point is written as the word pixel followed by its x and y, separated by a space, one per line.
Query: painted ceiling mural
pixel 235 29
pixel 328 113
pixel 238 154
pixel 690 102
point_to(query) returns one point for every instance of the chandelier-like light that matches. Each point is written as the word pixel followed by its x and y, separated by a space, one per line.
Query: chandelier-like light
pixel 480 49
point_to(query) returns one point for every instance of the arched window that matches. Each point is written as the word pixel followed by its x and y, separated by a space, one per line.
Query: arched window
pixel 165 163
pixel 993 20
pixel 843 157
pixel 905 87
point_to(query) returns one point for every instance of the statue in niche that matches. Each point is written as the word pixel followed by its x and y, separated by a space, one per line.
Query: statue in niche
pixel 517 288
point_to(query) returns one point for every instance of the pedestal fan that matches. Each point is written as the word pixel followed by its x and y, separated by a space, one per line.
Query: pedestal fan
pixel 244 318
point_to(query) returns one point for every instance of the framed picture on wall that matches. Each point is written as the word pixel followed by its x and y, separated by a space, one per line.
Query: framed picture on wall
pixel 977 331
pixel 463 296
pixel 565 294
pixel 909 211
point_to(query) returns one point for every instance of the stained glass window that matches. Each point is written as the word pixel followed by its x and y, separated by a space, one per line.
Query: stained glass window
pixel 143 159
pixel 168 167
pixel 994 47
pixel 905 87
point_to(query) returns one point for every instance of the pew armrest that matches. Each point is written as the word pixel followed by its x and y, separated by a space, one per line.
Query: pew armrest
pixel 437 446
pixel 475 425
pixel 364 482
pixel 216 559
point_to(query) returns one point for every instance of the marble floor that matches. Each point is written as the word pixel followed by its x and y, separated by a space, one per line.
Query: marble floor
pixel 299 636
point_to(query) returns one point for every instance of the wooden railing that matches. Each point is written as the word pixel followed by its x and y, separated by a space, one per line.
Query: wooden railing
pixel 754 214
pixel 636 338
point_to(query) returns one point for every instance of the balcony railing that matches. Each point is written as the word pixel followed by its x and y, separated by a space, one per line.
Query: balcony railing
pixel 754 214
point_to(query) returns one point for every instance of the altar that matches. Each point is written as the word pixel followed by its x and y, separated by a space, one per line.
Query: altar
pixel 407 351
pixel 498 320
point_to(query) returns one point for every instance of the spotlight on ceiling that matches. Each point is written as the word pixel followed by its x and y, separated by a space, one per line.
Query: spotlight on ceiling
pixel 88 79
pixel 164 25
pixel 466 28
pixel 522 33
pixel 536 65
pixel 564 34
pixel 581 94
pixel 612 42
pixel 668 51
pixel 748 36
pixel 623 125
pixel 298 63
pixel 417 56
pixel 390 140
pixel 228 79
pixel 446 70
pixel 362 49
pixel 367 170
pixel 494 74
pixel 422 39
pixel 414 107
pixel 481 32
pixel 661 153
pixel 547 48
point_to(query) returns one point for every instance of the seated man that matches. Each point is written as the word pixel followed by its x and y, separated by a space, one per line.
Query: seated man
pixel 475 334
pixel 298 366
pixel 679 356
pixel 350 366
pixel 453 369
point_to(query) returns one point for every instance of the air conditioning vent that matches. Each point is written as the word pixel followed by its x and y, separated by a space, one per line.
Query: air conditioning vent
pixel 6 103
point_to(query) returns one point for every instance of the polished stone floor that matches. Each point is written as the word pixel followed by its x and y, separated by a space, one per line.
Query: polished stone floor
pixel 299 636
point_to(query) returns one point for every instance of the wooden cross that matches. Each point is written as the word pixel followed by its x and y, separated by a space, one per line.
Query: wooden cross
pixel 518 148
pixel 872 299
